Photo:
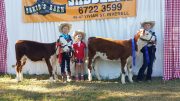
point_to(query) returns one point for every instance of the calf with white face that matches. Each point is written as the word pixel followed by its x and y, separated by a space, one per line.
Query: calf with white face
pixel 118 50
pixel 35 51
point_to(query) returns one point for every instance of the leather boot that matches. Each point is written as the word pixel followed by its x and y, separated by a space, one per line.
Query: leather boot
pixel 64 77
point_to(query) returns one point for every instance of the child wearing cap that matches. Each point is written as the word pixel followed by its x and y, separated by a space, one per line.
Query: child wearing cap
pixel 79 54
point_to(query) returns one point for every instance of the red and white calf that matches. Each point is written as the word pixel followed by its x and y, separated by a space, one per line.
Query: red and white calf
pixel 35 51
pixel 118 50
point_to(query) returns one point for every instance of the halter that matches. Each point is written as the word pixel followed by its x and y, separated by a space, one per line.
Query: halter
pixel 146 39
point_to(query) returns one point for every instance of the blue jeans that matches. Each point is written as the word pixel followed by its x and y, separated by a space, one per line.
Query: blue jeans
pixel 65 63
pixel 151 52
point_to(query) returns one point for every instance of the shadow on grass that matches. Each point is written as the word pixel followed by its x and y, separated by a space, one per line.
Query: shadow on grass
pixel 87 93
pixel 9 95
pixel 106 90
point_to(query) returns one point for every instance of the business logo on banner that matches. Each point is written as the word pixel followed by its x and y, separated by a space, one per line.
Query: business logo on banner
pixel 74 10
pixel 44 7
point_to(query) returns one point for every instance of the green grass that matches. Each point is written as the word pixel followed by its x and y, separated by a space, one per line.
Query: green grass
pixel 38 88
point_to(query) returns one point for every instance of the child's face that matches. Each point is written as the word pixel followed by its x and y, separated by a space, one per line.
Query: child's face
pixel 65 30
pixel 78 37
pixel 147 26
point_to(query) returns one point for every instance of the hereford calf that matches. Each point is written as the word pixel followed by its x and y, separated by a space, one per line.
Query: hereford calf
pixel 35 51
pixel 119 50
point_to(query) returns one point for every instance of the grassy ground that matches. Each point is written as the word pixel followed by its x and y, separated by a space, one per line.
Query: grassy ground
pixel 39 88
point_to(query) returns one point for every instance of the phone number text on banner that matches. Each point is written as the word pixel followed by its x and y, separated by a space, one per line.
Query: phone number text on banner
pixel 75 10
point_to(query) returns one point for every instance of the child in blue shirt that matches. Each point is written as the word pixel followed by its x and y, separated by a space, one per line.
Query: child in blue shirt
pixel 66 45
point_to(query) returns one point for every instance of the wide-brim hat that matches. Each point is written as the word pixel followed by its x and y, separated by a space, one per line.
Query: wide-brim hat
pixel 78 32
pixel 152 23
pixel 63 25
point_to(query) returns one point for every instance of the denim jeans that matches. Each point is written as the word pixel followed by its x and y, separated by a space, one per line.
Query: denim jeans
pixel 147 64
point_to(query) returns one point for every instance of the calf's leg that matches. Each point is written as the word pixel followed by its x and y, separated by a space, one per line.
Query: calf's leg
pixel 129 68
pixel 21 72
pixel 18 65
pixel 90 69
pixel 123 74
pixel 96 69
pixel 50 69
pixel 130 75
pixel 54 62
